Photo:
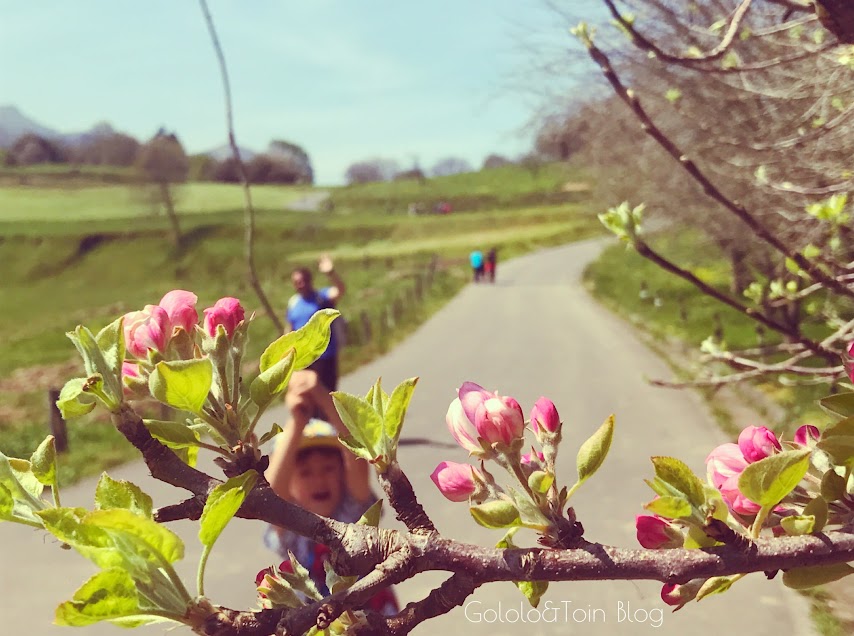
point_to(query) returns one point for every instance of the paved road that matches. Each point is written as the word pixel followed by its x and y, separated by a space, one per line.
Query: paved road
pixel 535 332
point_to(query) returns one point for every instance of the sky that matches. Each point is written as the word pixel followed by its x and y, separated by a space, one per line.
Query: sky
pixel 347 80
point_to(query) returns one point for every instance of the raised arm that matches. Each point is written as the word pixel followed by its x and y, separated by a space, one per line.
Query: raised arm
pixel 283 458
pixel 338 288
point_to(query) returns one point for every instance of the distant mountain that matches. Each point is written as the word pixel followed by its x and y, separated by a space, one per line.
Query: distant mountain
pixel 13 124
pixel 223 152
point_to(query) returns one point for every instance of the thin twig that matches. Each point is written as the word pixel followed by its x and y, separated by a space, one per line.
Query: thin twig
pixel 248 209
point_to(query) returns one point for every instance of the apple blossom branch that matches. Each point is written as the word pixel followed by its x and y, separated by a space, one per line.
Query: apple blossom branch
pixel 737 209
pixel 385 557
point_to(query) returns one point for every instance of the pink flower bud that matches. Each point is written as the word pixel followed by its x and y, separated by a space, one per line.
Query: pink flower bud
pixel 807 435
pixel 226 312
pixel 147 329
pixel 656 533
pixel 544 415
pixel 455 481
pixel 460 427
pixel 724 466
pixel 130 370
pixel 499 420
pixel 472 396
pixel 757 442
pixel 259 578
pixel 180 306
pixel 678 595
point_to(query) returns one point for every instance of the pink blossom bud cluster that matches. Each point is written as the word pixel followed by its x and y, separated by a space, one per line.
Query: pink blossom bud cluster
pixel 725 463
pixel 457 482
pixel 154 326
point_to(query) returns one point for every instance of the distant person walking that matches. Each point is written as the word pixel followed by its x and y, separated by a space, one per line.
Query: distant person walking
pixel 306 302
pixel 476 260
pixel 491 264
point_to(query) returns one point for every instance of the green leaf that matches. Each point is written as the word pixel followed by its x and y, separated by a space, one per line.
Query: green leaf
pixel 714 585
pixel 310 341
pixel 300 579
pixel 767 481
pixel 529 513
pixel 43 462
pixel 676 473
pixel 832 486
pixel 17 476
pixel 266 437
pixel 496 514
pixel 66 524
pixel 532 590
pixel 378 398
pixel 182 384
pixel 110 595
pixel 172 434
pixel 798 524
pixel 7 503
pixel 222 504
pixel 841 404
pixel 356 448
pixel 817 509
pixel 838 442
pixel 110 494
pixel 540 481
pixel 73 401
pixel 111 342
pixel 593 452
pixel 372 515
pixel 93 358
pixel 670 507
pixel 361 419
pixel 273 381
pixel 805 578
pixel 395 412
pixel 336 583
pixel 118 522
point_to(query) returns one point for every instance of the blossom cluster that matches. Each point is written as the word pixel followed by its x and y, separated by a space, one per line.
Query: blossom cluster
pixel 487 424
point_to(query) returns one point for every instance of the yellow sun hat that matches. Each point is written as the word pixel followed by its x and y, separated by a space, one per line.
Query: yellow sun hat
pixel 319 433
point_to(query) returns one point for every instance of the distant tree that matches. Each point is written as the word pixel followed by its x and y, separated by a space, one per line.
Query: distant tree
pixel 451 165
pixel 532 162
pixel 275 169
pixel 163 163
pixel 31 149
pixel 115 149
pixel 202 167
pixel 226 171
pixel 562 135
pixel 290 157
pixel 495 161
pixel 371 170
pixel 412 173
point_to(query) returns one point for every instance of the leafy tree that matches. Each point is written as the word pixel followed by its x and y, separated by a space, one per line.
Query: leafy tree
pixel 449 166
pixel 294 157
pixel 33 149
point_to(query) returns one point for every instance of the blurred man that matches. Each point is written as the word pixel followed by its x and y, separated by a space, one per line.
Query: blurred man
pixel 306 302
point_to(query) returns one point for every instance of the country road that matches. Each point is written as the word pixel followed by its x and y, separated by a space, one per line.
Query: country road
pixel 535 332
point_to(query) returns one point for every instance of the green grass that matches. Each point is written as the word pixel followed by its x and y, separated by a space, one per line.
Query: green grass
pixel 78 271
pixel 122 202
pixel 507 186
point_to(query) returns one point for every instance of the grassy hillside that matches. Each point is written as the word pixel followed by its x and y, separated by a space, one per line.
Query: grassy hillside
pixel 88 259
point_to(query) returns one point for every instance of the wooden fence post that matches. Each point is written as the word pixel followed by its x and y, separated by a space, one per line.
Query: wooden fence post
pixel 57 424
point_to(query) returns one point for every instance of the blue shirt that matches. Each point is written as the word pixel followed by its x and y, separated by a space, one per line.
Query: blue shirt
pixel 476 258
pixel 300 310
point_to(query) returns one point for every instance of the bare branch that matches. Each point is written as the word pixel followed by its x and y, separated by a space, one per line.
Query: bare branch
pixel 249 210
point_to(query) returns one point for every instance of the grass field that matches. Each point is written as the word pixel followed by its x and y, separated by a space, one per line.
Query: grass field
pixel 98 203
pixel 81 257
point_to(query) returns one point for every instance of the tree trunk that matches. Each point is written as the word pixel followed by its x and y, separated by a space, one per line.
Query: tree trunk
pixel 166 197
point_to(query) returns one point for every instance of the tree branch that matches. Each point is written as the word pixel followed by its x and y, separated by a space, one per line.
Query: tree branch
pixel 249 210
pixel 628 96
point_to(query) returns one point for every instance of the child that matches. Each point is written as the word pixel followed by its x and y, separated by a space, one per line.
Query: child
pixel 310 467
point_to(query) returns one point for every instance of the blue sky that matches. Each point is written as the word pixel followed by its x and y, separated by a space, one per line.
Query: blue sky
pixel 346 79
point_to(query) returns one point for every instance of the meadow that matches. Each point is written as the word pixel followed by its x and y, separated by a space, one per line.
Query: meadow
pixel 84 255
